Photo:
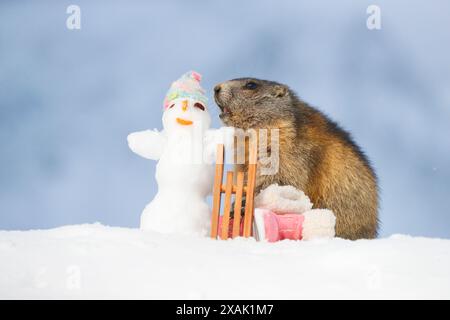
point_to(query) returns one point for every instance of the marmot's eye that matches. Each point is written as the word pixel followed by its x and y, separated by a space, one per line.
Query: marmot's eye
pixel 199 105
pixel 251 85
pixel 171 106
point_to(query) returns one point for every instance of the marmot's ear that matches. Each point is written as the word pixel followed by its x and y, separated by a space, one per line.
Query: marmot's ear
pixel 279 91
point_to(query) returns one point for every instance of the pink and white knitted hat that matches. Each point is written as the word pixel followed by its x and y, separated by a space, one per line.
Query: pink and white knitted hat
pixel 187 86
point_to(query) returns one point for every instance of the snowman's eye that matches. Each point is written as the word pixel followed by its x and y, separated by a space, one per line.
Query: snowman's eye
pixel 200 106
pixel 171 106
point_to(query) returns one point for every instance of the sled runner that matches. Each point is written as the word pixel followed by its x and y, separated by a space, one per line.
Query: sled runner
pixel 239 228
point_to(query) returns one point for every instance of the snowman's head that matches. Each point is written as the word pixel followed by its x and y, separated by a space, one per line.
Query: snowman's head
pixel 185 105
pixel 186 114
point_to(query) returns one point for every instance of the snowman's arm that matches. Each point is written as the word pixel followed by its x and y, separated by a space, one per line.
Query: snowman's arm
pixel 148 143
pixel 213 137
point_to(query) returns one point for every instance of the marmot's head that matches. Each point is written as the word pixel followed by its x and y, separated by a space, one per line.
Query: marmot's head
pixel 253 103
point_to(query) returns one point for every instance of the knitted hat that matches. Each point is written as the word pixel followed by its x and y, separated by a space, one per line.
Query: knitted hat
pixel 188 86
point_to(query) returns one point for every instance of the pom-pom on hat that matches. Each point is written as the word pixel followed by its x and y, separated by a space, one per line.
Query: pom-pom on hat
pixel 188 86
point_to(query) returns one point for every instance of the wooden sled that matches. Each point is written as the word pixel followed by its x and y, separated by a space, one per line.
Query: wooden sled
pixel 239 190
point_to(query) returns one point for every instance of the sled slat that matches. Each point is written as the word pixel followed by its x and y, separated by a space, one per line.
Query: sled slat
pixel 238 204
pixel 251 180
pixel 227 207
pixel 234 190
pixel 216 190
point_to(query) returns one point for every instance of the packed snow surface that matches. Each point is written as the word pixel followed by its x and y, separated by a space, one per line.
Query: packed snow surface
pixel 95 261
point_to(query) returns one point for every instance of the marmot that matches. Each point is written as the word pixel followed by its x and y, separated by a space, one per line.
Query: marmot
pixel 315 154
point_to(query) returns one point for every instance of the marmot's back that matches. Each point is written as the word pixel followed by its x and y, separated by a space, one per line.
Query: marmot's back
pixel 316 155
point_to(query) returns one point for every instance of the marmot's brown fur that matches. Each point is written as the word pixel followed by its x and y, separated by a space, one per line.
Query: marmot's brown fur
pixel 315 154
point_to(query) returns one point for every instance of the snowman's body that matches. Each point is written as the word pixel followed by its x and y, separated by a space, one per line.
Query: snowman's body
pixel 184 173
pixel 179 206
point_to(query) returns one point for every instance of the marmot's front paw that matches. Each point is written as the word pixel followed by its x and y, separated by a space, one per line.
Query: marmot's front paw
pixel 318 223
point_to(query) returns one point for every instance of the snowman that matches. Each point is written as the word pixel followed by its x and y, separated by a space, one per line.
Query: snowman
pixel 185 151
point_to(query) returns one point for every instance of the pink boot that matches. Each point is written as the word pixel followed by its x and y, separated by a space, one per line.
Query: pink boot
pixel 230 226
pixel 316 223
pixel 273 227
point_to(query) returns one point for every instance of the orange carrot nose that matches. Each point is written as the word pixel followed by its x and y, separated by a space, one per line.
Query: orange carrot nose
pixel 184 105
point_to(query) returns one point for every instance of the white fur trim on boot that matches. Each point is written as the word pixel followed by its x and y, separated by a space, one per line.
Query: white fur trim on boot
pixel 318 223
pixel 283 199
pixel 260 231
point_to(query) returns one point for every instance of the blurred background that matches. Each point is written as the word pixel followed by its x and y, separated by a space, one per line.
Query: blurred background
pixel 68 98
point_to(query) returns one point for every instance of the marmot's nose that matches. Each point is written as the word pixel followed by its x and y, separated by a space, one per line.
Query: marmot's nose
pixel 217 88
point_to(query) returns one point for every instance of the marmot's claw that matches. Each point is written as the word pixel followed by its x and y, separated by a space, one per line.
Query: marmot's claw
pixel 242 208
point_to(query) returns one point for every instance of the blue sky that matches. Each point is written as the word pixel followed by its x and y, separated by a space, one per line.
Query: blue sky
pixel 68 98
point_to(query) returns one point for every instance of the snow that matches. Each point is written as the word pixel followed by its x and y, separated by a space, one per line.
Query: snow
pixel 96 261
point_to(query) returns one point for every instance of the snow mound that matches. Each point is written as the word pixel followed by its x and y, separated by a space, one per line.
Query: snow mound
pixel 95 261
